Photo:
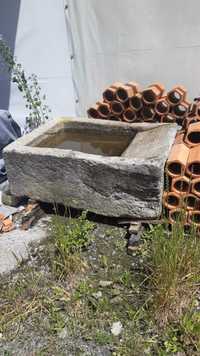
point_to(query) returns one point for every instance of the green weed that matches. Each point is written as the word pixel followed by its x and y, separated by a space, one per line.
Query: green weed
pixel 174 270
pixel 70 236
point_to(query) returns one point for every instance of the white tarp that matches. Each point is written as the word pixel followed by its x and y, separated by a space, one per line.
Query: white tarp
pixel 36 31
pixel 110 40
pixel 140 40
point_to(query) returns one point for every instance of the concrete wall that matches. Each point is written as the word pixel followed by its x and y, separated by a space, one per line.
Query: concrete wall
pixel 140 40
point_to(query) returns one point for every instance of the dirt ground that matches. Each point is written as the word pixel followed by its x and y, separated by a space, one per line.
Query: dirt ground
pixel 98 309
pixel 74 316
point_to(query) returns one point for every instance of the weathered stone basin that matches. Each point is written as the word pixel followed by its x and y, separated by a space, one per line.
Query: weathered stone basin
pixel 107 167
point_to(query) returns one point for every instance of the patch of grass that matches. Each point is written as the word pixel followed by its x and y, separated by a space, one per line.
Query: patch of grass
pixel 174 270
pixel 102 338
pixel 70 236
pixel 155 287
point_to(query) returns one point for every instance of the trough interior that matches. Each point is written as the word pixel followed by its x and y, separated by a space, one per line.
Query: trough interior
pixel 106 142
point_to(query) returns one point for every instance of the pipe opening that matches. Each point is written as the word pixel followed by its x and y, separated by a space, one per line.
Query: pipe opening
pixel 104 110
pixel 148 112
pixel 136 103
pixel 180 110
pixel 117 108
pixel 174 168
pixel 162 107
pixel 176 215
pixel 181 185
pixel 194 137
pixel 194 168
pixel 190 201
pixel 174 97
pixel 149 96
pixel 172 200
pixel 129 115
pixel 109 95
pixel 122 94
pixel 93 113
pixel 197 187
pixel 195 217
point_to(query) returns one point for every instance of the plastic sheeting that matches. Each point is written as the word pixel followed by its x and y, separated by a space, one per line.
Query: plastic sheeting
pixel 143 40
pixel 36 31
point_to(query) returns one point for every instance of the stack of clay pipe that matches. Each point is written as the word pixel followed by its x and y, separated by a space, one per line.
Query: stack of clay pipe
pixel 183 172
pixel 129 103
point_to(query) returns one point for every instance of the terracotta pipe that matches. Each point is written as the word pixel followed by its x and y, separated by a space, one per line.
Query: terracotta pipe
pixel 192 112
pixel 193 163
pixel 124 92
pixel 196 186
pixel 148 113
pixel 179 138
pixel 176 95
pixel 136 102
pixel 194 217
pixel 198 111
pixel 109 94
pixel 179 215
pixel 180 111
pixel 193 134
pixel 104 109
pixel 93 112
pixel 190 201
pixel 116 85
pixel 129 115
pixel 162 106
pixel 188 121
pixel 139 116
pixel 135 86
pixel 171 200
pixel 117 108
pixel 151 94
pixel 181 185
pixel 177 160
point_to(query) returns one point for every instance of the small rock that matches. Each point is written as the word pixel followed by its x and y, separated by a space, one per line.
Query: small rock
pixel 135 228
pixel 134 240
pixel 116 328
pixel 97 295
pixel 105 283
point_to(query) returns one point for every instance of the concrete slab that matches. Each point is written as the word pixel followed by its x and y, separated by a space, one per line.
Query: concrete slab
pixel 130 185
pixel 14 245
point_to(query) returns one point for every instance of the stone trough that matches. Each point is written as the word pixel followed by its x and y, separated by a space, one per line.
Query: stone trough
pixel 106 167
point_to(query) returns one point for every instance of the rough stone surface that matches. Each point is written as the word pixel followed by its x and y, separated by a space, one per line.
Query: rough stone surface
pixel 127 186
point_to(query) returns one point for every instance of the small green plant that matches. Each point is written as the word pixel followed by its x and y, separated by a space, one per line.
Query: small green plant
pixel 28 86
pixel 174 269
pixel 70 237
